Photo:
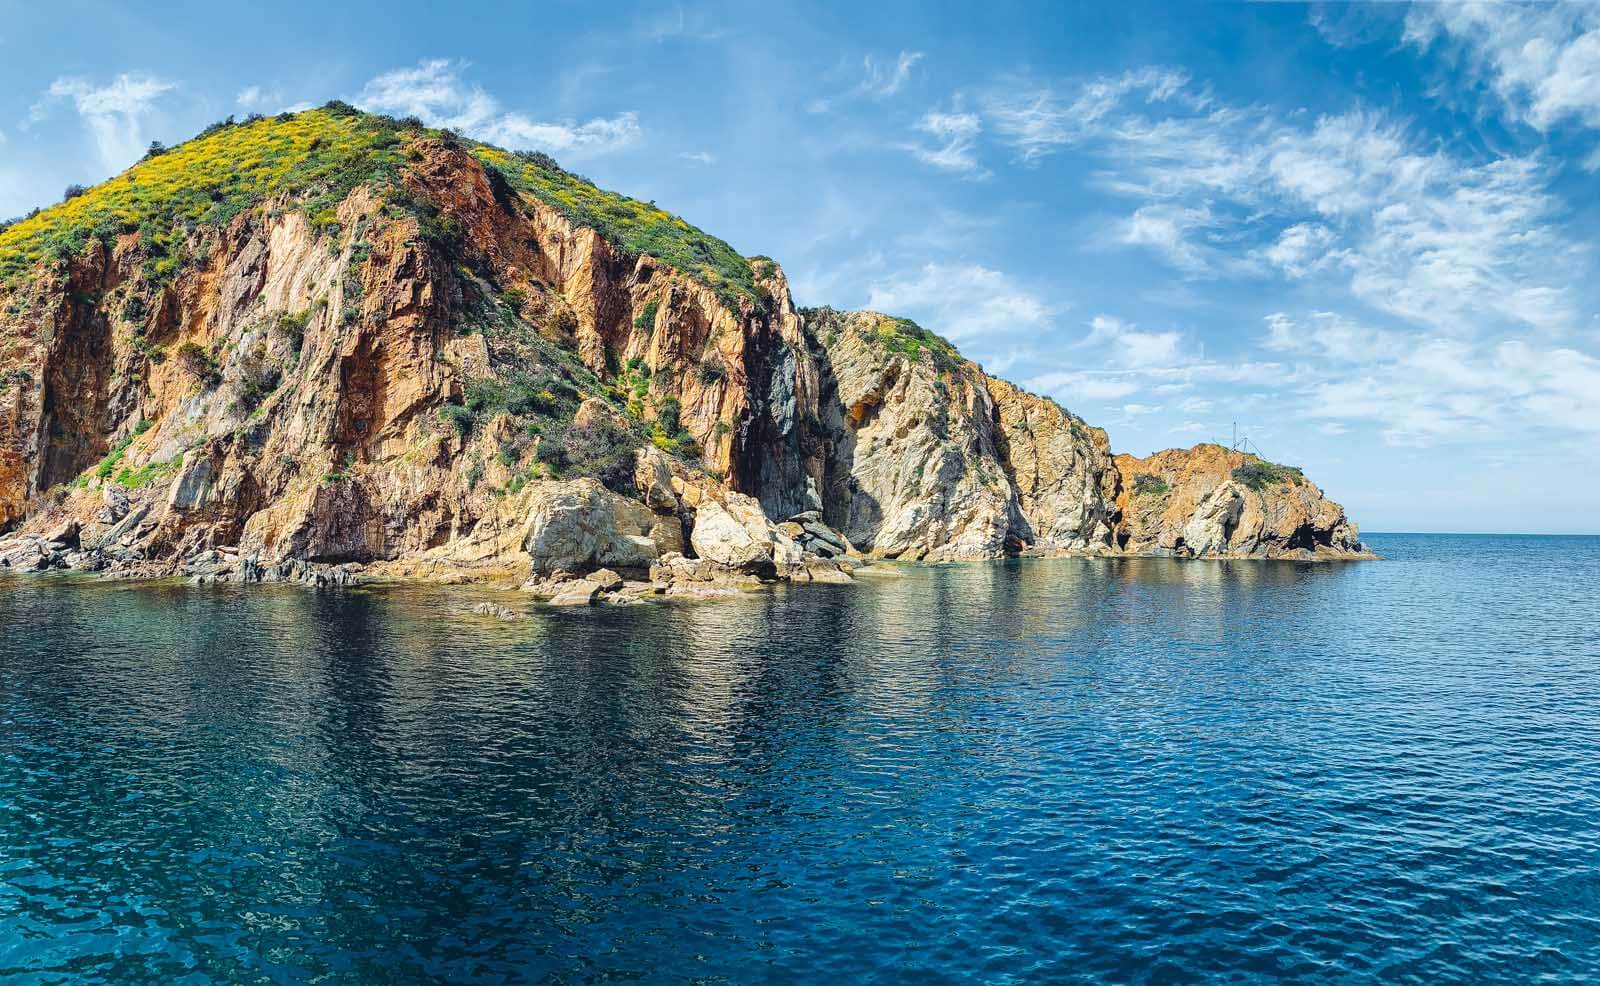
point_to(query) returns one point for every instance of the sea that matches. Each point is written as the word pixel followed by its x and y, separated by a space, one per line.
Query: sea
pixel 1032 771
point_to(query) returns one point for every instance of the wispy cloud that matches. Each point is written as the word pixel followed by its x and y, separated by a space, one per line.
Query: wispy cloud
pixel 955 138
pixel 1543 60
pixel 1039 119
pixel 435 92
pixel 881 80
pixel 1414 232
pixel 963 301
pixel 697 157
pixel 1421 391
pixel 115 114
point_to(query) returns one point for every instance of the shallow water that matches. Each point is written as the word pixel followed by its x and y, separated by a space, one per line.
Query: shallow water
pixel 1028 771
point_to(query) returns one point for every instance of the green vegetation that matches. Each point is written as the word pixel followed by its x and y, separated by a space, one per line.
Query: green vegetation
pixel 317 156
pixel 108 465
pixel 311 161
pixel 628 224
pixel 148 473
pixel 712 370
pixel 1260 474
pixel 1148 484
pixel 903 336
pixel 645 321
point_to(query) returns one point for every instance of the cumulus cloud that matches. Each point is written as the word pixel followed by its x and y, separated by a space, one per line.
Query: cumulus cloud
pixel 962 301
pixel 435 92
pixel 115 114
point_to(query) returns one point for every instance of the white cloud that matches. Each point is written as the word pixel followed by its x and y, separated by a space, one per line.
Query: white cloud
pixel 256 98
pixel 1302 249
pixel 1036 120
pixel 1421 391
pixel 881 81
pixel 1543 61
pixel 1139 410
pixel 961 301
pixel 115 114
pixel 1224 190
pixel 1131 348
pixel 1084 386
pixel 434 92
pixel 697 157
pixel 956 137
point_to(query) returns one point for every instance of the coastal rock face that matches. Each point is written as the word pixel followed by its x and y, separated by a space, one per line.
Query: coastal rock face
pixel 1210 501
pixel 468 364
pixel 1059 467
pixel 912 467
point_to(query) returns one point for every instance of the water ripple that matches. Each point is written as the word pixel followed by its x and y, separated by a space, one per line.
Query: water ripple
pixel 1076 770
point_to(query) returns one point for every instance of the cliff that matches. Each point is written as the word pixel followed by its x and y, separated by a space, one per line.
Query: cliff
pixel 297 346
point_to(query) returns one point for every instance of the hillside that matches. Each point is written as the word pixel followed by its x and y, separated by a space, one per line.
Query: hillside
pixel 329 342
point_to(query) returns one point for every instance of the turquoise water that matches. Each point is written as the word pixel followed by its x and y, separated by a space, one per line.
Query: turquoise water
pixel 1032 771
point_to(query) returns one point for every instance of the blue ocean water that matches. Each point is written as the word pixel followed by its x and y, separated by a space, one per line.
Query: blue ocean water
pixel 1035 771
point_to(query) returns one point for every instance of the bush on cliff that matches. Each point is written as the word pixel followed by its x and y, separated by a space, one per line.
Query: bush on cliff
pixel 1260 474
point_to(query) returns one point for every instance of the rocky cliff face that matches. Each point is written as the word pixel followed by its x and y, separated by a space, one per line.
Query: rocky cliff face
pixel 1209 501
pixel 445 360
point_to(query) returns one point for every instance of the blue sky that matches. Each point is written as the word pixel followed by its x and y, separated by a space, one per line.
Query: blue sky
pixel 1363 233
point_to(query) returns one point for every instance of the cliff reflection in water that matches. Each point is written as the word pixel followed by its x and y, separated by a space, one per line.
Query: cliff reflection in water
pixel 1019 771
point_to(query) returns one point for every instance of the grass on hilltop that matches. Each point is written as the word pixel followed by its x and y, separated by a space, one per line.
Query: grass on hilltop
pixel 633 226
pixel 316 158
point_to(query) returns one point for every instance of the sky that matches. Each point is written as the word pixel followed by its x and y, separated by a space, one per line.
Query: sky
pixel 1361 236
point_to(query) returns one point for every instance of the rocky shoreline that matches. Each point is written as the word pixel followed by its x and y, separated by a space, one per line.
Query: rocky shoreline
pixel 446 371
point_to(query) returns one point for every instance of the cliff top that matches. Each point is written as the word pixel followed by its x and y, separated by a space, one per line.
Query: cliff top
pixel 311 161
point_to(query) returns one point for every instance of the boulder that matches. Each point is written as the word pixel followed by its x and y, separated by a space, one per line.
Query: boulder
pixel 27 554
pixel 732 531
pixel 500 613
pixel 652 475
pixel 579 524
pixel 606 579
pixel 1212 524
pixel 581 592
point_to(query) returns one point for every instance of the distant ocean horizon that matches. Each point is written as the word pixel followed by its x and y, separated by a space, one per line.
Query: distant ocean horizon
pixel 1024 771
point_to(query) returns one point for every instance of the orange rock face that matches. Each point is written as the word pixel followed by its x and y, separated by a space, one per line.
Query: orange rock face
pixel 360 391
pixel 1209 501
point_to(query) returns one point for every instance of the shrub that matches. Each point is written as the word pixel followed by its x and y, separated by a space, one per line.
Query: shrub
pixel 293 328
pixel 669 415
pixel 515 299
pixel 73 191
pixel 646 319
pixel 1146 484
pixel 257 379
pixel 196 361
pixel 712 370
pixel 156 149
pixel 902 335
pixel 602 450
pixel 1260 474
pixel 459 418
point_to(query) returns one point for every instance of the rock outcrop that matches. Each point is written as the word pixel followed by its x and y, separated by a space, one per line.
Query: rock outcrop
pixel 463 364
pixel 1210 501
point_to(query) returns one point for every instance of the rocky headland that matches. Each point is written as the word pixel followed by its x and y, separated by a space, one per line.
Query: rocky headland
pixel 330 346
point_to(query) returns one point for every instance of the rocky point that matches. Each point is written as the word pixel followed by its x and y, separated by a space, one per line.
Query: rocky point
pixel 361 348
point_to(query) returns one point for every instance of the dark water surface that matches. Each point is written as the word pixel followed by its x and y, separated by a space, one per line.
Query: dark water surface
pixel 1033 771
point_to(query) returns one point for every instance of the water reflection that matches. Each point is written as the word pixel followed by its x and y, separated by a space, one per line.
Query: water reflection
pixel 1018 771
